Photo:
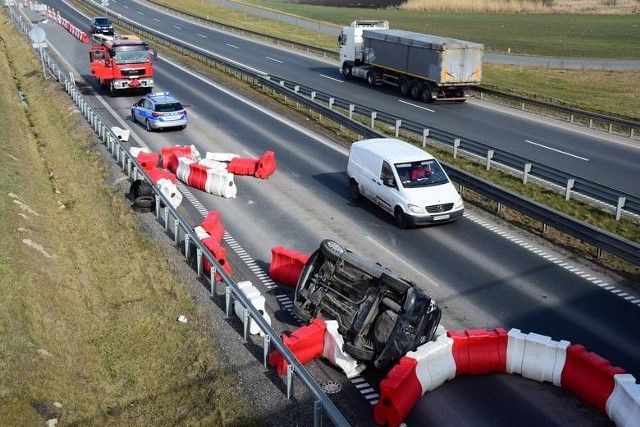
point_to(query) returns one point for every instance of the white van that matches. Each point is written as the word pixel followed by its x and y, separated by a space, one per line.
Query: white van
pixel 404 180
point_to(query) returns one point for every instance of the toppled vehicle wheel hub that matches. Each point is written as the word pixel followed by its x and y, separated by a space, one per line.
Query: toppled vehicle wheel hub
pixel 380 315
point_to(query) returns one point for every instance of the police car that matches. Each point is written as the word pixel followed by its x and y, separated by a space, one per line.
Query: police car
pixel 159 110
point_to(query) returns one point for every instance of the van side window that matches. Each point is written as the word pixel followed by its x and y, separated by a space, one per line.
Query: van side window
pixel 386 172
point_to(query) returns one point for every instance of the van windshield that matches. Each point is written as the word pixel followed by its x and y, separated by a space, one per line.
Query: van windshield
pixel 422 173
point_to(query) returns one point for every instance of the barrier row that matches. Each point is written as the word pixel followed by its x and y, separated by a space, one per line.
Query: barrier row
pixel 480 351
pixel 210 232
pixel 286 265
pixel 55 16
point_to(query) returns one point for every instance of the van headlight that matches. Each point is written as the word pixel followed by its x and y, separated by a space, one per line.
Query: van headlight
pixel 416 209
pixel 458 204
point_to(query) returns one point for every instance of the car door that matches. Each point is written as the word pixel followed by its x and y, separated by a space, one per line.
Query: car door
pixel 386 187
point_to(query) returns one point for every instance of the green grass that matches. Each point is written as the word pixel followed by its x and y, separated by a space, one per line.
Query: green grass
pixel 88 306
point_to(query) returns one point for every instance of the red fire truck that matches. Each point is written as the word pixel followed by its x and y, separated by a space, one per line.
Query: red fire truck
pixel 121 62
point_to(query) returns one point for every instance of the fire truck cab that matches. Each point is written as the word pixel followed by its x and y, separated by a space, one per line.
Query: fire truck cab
pixel 121 62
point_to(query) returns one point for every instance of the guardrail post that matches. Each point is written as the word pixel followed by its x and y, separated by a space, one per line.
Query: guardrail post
pixel 571 118
pixel 290 370
pixel 176 231
pixel 590 123
pixel 525 173
pixel 351 110
pixel 166 218
pixel 246 321
pixel 266 343
pixel 374 115
pixel 296 88
pixel 312 95
pixel 199 261
pixel 621 201
pixel 227 301
pixel 157 207
pixel 456 145
pixel 610 127
pixel 567 193
pixel 212 279
pixel 331 101
pixel 187 245
pixel 489 157
pixel 398 124
pixel 631 133
pixel 425 135
pixel 317 413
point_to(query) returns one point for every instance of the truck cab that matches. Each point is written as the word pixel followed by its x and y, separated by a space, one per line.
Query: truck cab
pixel 350 43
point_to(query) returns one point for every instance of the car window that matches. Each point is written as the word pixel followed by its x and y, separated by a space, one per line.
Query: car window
pixel 168 107
pixel 421 173
pixel 386 172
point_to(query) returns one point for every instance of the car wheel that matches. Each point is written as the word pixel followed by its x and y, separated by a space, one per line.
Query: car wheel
pixel 133 117
pixel 358 353
pixel 354 189
pixel 140 188
pixel 148 125
pixel 400 218
pixel 144 203
pixel 332 250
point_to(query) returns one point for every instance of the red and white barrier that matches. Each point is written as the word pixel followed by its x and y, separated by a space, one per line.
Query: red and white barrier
pixel 535 356
pixel 306 343
pixel 220 157
pixel 170 191
pixel 286 265
pixel 623 406
pixel 220 183
pixel 213 225
pixel 257 300
pixel 334 353
pixel 435 362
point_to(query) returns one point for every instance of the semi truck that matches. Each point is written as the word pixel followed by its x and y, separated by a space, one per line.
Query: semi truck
pixel 121 62
pixel 422 66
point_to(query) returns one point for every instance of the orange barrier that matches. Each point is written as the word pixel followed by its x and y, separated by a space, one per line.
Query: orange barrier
pixel 306 343
pixel 266 165
pixel 219 253
pixel 479 351
pixel 148 160
pixel 286 265
pixel 589 376
pixel 399 392
pixel 242 166
pixel 170 156
pixel 212 225
pixel 156 174
pixel 197 176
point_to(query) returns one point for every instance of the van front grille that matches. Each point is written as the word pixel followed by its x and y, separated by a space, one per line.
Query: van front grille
pixel 439 208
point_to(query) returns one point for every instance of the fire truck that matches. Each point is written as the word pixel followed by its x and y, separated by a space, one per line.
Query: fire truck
pixel 121 62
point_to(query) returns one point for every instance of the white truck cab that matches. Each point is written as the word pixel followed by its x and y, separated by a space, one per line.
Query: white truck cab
pixel 350 42
pixel 403 180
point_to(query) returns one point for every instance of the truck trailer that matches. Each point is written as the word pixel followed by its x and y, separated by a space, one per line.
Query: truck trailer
pixel 422 66
pixel 121 62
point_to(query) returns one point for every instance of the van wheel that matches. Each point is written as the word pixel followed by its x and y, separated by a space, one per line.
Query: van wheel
pixel 400 217
pixel 331 249
pixel 354 190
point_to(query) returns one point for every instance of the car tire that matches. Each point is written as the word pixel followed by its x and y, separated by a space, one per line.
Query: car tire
pixel 145 203
pixel 133 117
pixel 354 190
pixel 140 188
pixel 331 249
pixel 358 353
pixel 400 218
pixel 148 125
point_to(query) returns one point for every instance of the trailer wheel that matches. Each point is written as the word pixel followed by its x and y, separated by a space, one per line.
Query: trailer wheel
pixel 425 93
pixel 346 72
pixel 404 87
pixel 415 89
pixel 371 78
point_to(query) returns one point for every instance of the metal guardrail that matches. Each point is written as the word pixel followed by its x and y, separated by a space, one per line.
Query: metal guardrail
pixel 134 171
pixel 575 116
pixel 601 240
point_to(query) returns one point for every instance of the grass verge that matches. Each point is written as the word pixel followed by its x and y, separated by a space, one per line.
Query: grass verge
pixel 88 330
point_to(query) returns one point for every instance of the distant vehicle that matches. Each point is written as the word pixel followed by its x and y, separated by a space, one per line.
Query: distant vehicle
pixel 422 66
pixel 102 25
pixel 380 315
pixel 121 62
pixel 159 110
pixel 403 180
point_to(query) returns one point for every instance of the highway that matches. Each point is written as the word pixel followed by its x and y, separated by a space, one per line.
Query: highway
pixel 483 273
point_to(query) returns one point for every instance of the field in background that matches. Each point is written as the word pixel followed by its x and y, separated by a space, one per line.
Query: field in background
pixel 525 6
pixel 88 305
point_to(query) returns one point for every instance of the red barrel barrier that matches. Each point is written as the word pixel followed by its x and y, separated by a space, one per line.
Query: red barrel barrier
pixel 479 351
pixel 399 392
pixel 170 156
pixel 157 173
pixel 286 265
pixel 197 176
pixel 219 253
pixel 589 376
pixel 266 165
pixel 306 343
pixel 148 160
pixel 212 225
pixel 242 166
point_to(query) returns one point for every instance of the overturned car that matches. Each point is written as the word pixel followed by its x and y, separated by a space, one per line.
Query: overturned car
pixel 380 315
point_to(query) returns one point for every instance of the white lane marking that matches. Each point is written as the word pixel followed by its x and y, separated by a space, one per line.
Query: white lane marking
pixel 233 46
pixel 176 27
pixel 430 280
pixel 156 19
pixel 273 59
pixel 575 270
pixel 556 150
pixel 201 35
pixel 331 78
pixel 417 106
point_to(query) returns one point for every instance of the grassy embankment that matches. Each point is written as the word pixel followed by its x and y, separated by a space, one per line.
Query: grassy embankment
pixel 88 308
